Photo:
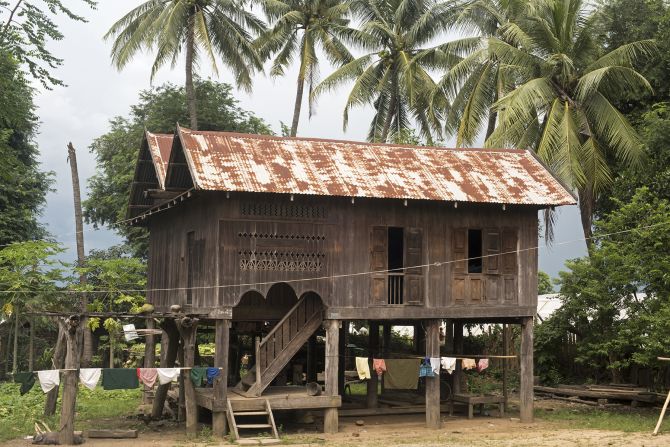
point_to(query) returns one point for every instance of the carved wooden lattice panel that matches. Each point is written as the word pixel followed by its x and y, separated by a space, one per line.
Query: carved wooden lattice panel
pixel 281 247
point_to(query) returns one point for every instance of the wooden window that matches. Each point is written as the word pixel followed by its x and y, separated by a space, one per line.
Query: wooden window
pixel 492 242
pixel 459 254
pixel 509 248
pixel 378 263
pixel 396 254
pixel 474 255
pixel 190 266
pixel 413 292
pixel 195 250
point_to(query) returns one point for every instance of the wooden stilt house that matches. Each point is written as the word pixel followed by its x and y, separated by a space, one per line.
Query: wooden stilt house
pixel 281 237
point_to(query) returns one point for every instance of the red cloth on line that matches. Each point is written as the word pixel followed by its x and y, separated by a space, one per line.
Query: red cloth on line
pixel 379 365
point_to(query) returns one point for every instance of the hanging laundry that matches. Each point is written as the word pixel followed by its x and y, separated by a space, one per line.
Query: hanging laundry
pixel 469 364
pixel 147 376
pixel 212 373
pixel 27 381
pixel 482 364
pixel 167 375
pixel 198 376
pixel 363 368
pixel 435 365
pixel 425 370
pixel 89 377
pixel 401 374
pixel 119 379
pixel 49 379
pixel 379 365
pixel 448 363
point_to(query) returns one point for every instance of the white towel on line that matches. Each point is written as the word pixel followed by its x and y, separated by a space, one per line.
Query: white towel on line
pixel 89 377
pixel 167 375
pixel 49 379
pixel 448 363
pixel 435 365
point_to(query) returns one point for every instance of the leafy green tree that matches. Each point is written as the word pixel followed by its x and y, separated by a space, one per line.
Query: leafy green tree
pixel 158 110
pixel 617 300
pixel 544 285
pixel 28 28
pixel 23 186
pixel 209 27
pixel 389 76
pixel 298 27
pixel 30 279
pixel 116 283
pixel 562 106
pixel 619 22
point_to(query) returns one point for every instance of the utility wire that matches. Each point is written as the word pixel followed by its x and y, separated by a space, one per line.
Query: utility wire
pixel 344 275
pixel 111 224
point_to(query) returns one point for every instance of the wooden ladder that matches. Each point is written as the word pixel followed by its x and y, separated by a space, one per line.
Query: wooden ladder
pixel 235 426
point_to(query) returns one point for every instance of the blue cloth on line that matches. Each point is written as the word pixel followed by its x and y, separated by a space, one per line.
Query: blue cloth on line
pixel 212 373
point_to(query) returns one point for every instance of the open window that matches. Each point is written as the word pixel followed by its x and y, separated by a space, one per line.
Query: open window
pixel 395 259
pixel 475 260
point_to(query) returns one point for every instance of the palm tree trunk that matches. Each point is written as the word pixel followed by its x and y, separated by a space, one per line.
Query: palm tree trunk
pixel 586 206
pixel 389 115
pixel 87 345
pixel 298 102
pixel 31 345
pixel 190 88
pixel 15 356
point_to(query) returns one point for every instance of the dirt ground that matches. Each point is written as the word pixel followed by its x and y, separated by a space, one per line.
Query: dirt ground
pixel 405 430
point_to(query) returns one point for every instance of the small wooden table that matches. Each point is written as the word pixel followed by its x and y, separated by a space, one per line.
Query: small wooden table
pixel 475 399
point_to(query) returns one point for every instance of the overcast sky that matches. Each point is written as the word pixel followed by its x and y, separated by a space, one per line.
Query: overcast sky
pixel 96 92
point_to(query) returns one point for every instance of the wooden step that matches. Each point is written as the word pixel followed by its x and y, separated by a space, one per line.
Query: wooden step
pixel 251 413
pixel 254 425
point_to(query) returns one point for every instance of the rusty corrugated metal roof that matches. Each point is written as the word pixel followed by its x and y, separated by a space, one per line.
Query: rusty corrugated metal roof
pixel 160 146
pixel 255 163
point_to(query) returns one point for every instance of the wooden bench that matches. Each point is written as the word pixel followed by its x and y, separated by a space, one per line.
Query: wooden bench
pixel 474 399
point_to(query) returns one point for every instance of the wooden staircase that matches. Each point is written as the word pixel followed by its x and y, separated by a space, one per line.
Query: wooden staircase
pixel 263 410
pixel 277 348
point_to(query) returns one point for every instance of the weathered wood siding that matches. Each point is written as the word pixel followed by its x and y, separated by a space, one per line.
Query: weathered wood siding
pixel 250 241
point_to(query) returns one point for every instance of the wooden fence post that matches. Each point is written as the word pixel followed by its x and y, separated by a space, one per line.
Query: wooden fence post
pixel 169 347
pixel 330 415
pixel 526 371
pixel 72 329
pixel 433 419
pixel 187 327
pixel 221 343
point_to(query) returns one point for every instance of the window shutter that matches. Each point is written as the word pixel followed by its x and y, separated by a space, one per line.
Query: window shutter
pixel 413 282
pixel 378 262
pixel 492 253
pixel 459 248
pixel 509 247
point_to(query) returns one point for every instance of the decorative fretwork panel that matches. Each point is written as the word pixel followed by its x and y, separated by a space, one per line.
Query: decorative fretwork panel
pixel 280 261
pixel 283 210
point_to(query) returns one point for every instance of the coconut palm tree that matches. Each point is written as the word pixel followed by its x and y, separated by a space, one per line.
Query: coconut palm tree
pixel 388 76
pixel 474 79
pixel 212 27
pixel 298 27
pixel 561 105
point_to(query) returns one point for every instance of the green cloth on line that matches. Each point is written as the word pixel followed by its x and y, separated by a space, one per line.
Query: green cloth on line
pixel 198 375
pixel 119 378
pixel 26 379
pixel 401 374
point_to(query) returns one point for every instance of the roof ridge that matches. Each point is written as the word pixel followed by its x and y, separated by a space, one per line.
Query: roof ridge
pixel 362 143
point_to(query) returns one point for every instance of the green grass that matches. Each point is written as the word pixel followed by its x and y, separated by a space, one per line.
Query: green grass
pixel 18 414
pixel 625 419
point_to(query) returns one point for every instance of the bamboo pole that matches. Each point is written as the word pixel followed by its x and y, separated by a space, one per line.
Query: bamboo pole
pixel 665 404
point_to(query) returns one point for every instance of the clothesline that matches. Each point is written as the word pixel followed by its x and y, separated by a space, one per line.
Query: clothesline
pixel 117 378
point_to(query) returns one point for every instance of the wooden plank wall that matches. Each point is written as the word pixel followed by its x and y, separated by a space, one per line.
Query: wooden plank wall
pixel 241 232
